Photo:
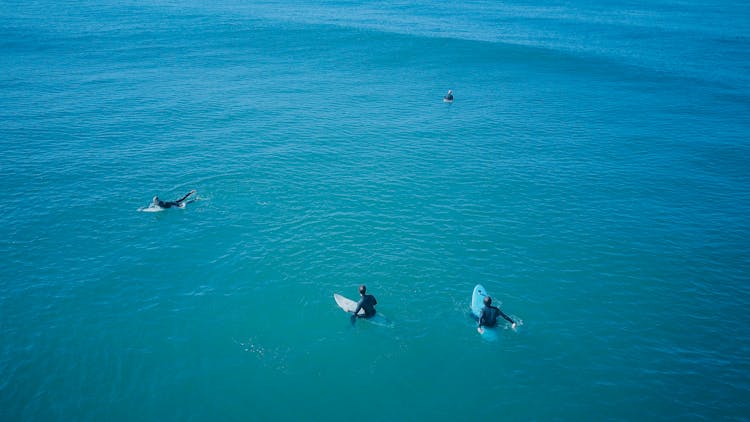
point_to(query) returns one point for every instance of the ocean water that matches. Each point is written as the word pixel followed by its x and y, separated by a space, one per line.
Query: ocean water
pixel 593 173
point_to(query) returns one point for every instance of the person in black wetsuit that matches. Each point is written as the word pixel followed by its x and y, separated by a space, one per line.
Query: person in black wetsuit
pixel 367 302
pixel 489 314
pixel 449 96
pixel 169 204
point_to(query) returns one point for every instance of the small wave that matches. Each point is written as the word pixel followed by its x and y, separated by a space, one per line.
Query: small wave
pixel 272 358
pixel 519 322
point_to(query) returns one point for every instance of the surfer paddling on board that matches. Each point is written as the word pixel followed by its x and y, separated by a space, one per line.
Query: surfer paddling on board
pixel 367 302
pixel 489 314
pixel 169 204
pixel 448 97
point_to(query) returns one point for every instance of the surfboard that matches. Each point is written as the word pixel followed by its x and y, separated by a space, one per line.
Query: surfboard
pixel 477 303
pixel 349 306
pixel 477 300
pixel 156 208
pixel 151 208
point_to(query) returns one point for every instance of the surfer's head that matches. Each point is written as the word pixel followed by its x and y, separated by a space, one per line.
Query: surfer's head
pixel 362 289
pixel 156 199
pixel 487 300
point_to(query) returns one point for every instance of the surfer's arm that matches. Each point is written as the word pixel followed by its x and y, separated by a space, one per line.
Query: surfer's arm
pixel 507 318
pixel 358 308
pixel 185 197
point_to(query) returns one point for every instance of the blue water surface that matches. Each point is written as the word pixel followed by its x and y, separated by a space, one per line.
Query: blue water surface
pixel 592 173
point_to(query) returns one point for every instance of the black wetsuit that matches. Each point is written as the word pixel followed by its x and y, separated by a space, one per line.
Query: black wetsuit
pixel 449 97
pixel 170 204
pixel 489 314
pixel 367 303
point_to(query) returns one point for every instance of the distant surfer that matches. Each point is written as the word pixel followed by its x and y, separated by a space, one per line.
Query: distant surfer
pixel 448 97
pixel 367 302
pixel 169 204
pixel 489 314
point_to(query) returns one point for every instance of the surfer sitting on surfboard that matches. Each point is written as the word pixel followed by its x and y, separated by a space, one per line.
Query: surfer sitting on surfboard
pixel 448 97
pixel 367 302
pixel 489 314
pixel 169 204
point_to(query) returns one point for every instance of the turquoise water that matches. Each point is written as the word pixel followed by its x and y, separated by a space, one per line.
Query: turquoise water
pixel 592 174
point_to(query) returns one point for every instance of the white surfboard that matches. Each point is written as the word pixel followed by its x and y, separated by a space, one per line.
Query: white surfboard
pixel 349 305
pixel 477 300
pixel 151 208
pixel 156 208
pixel 477 303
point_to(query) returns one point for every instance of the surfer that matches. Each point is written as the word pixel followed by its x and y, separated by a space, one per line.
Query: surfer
pixel 367 302
pixel 489 314
pixel 448 97
pixel 169 204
